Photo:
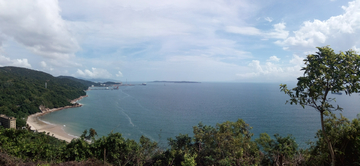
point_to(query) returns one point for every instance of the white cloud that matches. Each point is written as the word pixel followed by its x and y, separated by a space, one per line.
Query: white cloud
pixel 37 25
pixel 274 58
pixel 5 61
pixel 243 30
pixel 298 64
pixel 249 75
pixel 355 49
pixel 119 74
pixel 167 27
pixel 340 32
pixel 279 32
pixel 268 19
pixel 181 67
pixel 269 71
pixel 256 65
pixel 43 64
pixel 297 60
pixel 21 63
pixel 179 39
pixel 261 70
pixel 93 73
pixel 157 18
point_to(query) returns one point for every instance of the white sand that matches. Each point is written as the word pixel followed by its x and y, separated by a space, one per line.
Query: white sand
pixel 54 130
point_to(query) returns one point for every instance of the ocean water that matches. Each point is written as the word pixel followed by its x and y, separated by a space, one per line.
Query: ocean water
pixel 160 111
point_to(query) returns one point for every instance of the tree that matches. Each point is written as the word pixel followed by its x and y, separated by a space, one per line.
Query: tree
pixel 345 136
pixel 277 151
pixel 325 72
pixel 92 134
pixel 228 143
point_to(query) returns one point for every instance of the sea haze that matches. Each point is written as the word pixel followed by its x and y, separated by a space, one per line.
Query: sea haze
pixel 160 111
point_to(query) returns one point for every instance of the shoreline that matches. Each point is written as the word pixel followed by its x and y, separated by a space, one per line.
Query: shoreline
pixel 56 131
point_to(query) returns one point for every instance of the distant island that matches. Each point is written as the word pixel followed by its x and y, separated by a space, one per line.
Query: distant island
pixel 175 82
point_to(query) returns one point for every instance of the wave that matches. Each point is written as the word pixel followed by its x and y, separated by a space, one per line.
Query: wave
pixel 62 127
pixel 38 118
pixel 142 105
pixel 126 115
pixel 127 95
pixel 136 100
pixel 147 136
pixel 123 110
pixel 72 135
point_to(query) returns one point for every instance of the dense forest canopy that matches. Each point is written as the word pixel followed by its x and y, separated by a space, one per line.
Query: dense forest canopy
pixel 23 90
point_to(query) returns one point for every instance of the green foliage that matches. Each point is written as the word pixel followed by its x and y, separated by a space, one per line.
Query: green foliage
pixel 31 146
pixel 148 150
pixel 345 136
pixel 22 91
pixel 189 160
pixel 78 150
pixel 279 151
pixel 228 143
pixel 180 147
pixel 326 72
pixel 119 151
pixel 91 136
pixel 20 122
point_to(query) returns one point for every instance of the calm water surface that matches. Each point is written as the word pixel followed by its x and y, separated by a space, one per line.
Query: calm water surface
pixel 160 111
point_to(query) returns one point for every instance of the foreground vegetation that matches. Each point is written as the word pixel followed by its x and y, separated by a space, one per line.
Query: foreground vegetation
pixel 228 143
pixel 326 72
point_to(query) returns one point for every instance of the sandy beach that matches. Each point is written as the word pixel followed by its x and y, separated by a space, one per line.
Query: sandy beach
pixel 54 130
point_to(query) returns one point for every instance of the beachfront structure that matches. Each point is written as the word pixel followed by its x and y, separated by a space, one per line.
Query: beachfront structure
pixel 7 122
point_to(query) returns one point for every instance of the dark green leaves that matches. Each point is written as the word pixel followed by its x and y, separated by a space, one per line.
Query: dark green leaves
pixel 326 72
pixel 279 150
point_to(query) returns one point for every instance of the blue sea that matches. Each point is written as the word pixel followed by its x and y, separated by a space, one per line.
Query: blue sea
pixel 160 111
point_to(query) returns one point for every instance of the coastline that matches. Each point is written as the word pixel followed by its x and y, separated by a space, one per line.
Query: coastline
pixel 56 131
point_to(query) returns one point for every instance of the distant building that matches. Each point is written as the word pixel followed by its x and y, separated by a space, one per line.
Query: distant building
pixel 7 122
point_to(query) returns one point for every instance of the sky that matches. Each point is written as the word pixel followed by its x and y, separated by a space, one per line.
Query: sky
pixel 177 40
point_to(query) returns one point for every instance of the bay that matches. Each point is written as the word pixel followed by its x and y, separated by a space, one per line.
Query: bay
pixel 160 111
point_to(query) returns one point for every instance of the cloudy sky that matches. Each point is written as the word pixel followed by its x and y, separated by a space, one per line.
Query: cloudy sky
pixel 197 40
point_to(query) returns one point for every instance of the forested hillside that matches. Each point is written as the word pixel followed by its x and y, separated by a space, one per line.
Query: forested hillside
pixel 23 90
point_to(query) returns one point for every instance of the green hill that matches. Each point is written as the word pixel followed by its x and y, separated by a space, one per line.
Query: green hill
pixel 23 90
